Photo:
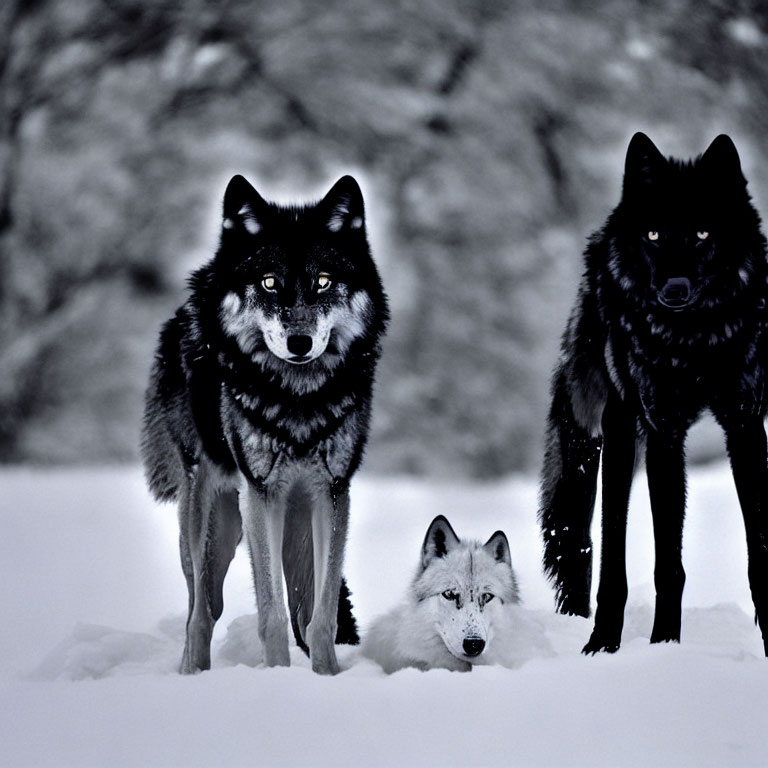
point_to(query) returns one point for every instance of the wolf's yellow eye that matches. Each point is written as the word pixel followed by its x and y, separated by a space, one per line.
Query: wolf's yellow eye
pixel 702 234
pixel 323 281
pixel 269 282
pixel 653 235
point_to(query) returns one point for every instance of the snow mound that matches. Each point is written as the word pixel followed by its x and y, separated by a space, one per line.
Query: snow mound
pixel 93 652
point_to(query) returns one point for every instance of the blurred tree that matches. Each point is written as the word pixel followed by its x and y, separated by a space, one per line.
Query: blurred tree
pixel 489 138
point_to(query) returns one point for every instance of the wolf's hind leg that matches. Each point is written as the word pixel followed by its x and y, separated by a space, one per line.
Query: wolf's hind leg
pixel 264 519
pixel 298 566
pixel 330 518
pixel 749 462
pixel 210 531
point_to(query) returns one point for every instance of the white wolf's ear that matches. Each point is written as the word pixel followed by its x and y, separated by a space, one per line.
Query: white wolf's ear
pixel 342 208
pixel 642 163
pixel 439 541
pixel 243 207
pixel 722 160
pixel 498 548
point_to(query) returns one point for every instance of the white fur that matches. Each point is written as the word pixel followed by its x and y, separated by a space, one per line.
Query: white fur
pixel 249 324
pixel 250 222
pixel 339 216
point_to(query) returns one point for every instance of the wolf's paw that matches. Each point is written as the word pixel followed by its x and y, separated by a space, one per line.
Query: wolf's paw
pixel 574 605
pixel 325 666
pixel 192 667
pixel 598 643
pixel 197 652
pixel 321 649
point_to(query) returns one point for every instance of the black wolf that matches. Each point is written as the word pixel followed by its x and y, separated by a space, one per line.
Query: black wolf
pixel 670 320
pixel 261 389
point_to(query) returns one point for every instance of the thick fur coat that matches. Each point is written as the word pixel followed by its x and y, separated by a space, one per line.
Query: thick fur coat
pixel 670 320
pixel 259 404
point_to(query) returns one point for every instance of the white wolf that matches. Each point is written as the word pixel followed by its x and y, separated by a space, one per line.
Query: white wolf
pixel 459 599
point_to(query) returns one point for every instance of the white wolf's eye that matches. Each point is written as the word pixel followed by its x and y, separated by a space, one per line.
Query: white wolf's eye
pixel 449 594
pixel 486 598
pixel 269 283
pixel 323 282
pixel 702 234
pixel 653 235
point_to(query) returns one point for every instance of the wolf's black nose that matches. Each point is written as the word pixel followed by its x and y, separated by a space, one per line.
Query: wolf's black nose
pixel 299 344
pixel 676 292
pixel 473 646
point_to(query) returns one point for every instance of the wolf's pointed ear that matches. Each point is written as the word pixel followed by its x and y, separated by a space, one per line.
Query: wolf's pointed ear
pixel 342 208
pixel 243 207
pixel 498 548
pixel 642 163
pixel 439 541
pixel 721 160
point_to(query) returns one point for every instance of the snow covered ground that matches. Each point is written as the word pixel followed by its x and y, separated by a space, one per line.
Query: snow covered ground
pixel 93 603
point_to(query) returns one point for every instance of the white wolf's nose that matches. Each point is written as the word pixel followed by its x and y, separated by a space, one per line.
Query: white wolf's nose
pixel 473 646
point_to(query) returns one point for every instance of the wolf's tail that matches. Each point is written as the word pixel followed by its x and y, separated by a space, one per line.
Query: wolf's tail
pixel 159 452
pixel 166 408
pixel 567 501
pixel 298 568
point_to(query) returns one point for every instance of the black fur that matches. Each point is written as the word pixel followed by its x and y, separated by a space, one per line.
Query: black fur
pixel 669 321
pixel 213 395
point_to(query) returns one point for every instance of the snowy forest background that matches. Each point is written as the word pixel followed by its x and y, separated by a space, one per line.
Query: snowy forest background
pixel 488 138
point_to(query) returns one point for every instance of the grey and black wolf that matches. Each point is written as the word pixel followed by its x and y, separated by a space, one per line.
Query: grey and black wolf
pixel 458 601
pixel 670 320
pixel 257 414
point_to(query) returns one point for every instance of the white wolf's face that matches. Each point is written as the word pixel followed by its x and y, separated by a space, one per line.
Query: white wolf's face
pixel 466 584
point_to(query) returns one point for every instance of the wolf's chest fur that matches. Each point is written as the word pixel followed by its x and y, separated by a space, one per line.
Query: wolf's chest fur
pixel 265 435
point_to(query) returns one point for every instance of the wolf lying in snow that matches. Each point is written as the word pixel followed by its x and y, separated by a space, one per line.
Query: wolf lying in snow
pixel 458 602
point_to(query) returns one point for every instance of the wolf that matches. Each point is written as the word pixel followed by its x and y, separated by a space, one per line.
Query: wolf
pixel 669 321
pixel 257 414
pixel 460 594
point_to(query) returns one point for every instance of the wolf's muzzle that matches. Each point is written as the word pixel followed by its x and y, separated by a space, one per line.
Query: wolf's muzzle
pixel 677 293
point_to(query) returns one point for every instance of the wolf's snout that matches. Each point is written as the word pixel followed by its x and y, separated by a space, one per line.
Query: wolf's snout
pixel 676 293
pixel 299 344
pixel 473 646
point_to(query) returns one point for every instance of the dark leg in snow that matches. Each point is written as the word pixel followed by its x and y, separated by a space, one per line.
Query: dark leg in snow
pixel 665 467
pixel 619 433
pixel 746 445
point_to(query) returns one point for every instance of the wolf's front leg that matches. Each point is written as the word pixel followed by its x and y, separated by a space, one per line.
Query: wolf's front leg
pixel 618 464
pixel 263 521
pixel 330 518
pixel 749 454
pixel 665 468
pixel 210 529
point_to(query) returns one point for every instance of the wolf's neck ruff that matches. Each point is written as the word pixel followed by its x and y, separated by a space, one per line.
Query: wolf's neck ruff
pixel 298 408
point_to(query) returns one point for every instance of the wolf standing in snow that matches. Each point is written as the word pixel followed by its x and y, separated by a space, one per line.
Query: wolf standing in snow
pixel 670 320
pixel 259 403
pixel 460 593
